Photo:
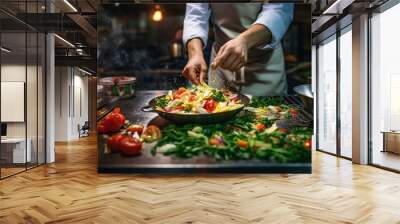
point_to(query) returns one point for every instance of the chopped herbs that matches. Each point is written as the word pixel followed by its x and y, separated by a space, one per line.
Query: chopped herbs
pixel 162 102
pixel 218 95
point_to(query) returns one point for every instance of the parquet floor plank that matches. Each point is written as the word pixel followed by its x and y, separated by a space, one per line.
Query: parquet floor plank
pixel 71 191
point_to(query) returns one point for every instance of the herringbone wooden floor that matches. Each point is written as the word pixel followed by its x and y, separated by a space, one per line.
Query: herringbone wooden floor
pixel 70 191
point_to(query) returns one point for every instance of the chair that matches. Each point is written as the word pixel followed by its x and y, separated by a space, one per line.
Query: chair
pixel 84 130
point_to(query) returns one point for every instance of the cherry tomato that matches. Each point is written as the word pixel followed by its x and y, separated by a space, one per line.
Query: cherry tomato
pixel 151 133
pixel 138 128
pixel 260 127
pixel 242 143
pixel 307 144
pixel 130 146
pixel 112 122
pixel 114 141
pixel 210 105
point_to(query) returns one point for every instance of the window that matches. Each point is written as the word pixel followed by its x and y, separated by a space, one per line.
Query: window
pixel 345 43
pixel 327 95
pixel 385 88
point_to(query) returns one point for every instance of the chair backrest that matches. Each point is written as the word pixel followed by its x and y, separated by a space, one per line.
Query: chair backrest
pixel 86 125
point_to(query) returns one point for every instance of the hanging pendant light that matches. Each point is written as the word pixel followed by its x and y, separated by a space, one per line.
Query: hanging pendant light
pixel 157 15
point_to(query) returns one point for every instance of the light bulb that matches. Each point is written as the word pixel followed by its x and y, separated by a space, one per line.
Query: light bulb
pixel 157 16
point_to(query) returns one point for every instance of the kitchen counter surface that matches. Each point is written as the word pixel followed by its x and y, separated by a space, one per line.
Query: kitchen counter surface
pixel 147 163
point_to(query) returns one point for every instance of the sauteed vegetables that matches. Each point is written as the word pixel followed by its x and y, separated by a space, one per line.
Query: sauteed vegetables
pixel 200 99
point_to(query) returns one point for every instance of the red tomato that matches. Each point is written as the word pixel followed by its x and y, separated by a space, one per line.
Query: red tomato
pixel 210 105
pixel 138 128
pixel 177 96
pixel 242 143
pixel 260 127
pixel 192 98
pixel 307 144
pixel 101 128
pixel 113 122
pixel 121 117
pixel 181 90
pixel 130 146
pixel 151 133
pixel 180 107
pixel 117 110
pixel 114 141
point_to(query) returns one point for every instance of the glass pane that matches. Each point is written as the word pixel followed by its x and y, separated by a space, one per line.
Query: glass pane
pixel 41 99
pixel 31 97
pixel 13 79
pixel 346 94
pixel 385 84
pixel 327 96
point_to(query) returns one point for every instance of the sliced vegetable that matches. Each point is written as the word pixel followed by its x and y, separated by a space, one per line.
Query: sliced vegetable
pixel 151 134
pixel 197 129
pixel 210 105
pixel 198 99
pixel 260 127
pixel 218 96
pixel 242 143
pixel 136 128
pixel 181 90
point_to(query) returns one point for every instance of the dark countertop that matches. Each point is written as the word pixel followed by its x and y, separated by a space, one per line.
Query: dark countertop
pixel 147 163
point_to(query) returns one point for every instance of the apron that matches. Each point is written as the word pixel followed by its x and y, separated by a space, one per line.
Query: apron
pixel 264 72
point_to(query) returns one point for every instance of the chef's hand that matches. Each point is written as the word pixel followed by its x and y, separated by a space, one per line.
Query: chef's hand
pixel 232 55
pixel 196 67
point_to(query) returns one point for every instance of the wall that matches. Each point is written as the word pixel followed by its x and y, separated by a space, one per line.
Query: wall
pixel 17 73
pixel 71 102
pixel 33 127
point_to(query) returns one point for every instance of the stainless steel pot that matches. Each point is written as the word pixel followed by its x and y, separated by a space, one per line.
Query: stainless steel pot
pixel 306 96
pixel 176 50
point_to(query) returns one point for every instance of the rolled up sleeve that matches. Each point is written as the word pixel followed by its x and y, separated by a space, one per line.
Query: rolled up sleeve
pixel 277 18
pixel 196 22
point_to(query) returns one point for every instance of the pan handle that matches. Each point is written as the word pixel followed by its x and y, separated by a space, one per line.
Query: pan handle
pixel 147 108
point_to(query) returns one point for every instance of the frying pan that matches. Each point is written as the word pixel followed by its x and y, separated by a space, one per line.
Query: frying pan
pixel 196 118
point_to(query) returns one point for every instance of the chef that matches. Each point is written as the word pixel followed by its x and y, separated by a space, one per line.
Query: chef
pixel 247 54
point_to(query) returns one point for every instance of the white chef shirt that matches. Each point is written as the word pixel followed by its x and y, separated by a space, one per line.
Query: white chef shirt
pixel 276 17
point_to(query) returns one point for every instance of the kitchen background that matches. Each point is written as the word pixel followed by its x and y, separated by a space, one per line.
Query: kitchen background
pixel 145 41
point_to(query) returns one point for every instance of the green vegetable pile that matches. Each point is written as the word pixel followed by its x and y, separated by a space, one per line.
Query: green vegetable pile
pixel 238 139
pixel 267 101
